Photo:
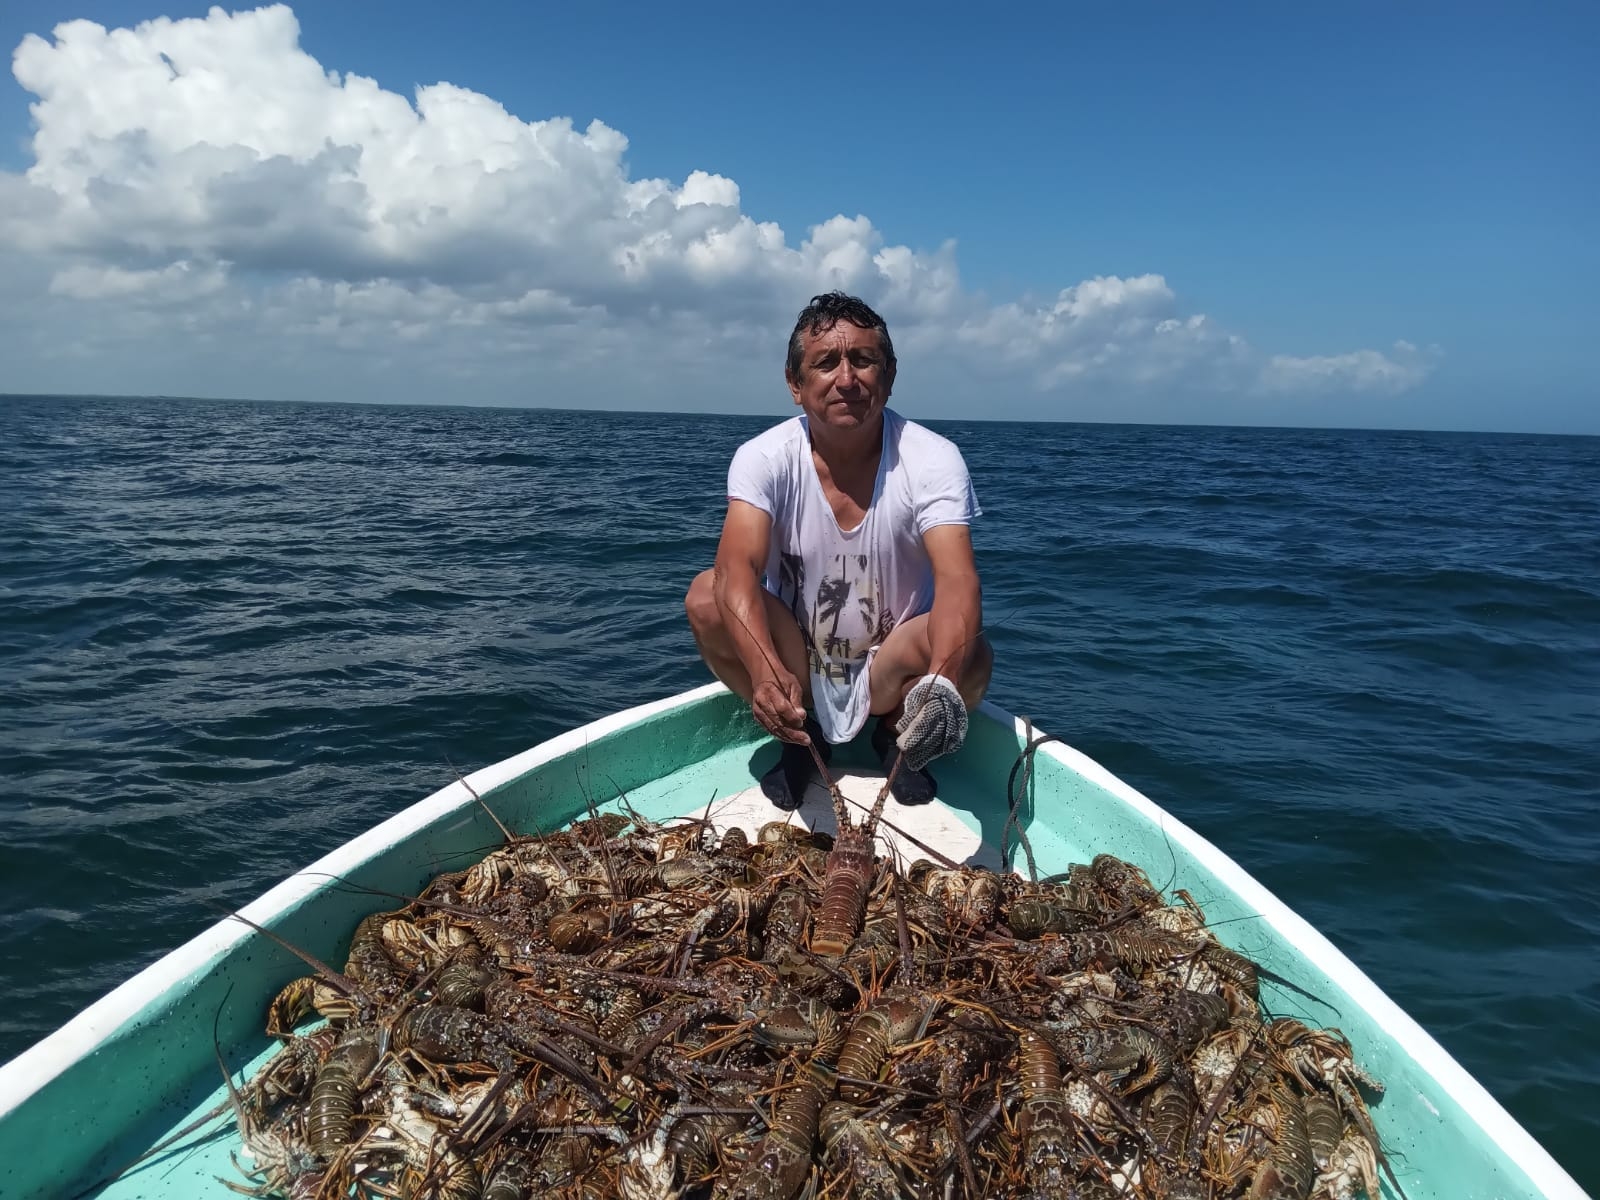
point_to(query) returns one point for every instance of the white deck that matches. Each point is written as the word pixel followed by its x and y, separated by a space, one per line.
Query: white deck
pixel 900 828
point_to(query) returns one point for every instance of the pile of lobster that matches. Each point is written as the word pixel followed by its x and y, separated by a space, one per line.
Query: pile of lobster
pixel 626 1009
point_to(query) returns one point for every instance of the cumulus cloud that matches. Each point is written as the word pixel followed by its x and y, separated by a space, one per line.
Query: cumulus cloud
pixel 1129 328
pixel 213 163
pixel 1403 368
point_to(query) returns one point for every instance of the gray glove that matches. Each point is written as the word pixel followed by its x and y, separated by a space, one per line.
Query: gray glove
pixel 934 722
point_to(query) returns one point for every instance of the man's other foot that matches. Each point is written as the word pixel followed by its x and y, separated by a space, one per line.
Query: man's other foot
pixel 786 782
pixel 909 787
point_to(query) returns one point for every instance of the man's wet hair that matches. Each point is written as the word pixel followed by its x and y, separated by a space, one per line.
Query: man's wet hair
pixel 826 311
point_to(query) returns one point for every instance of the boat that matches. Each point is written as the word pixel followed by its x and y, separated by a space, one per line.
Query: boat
pixel 107 1105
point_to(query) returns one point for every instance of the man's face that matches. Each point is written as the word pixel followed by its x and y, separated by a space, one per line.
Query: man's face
pixel 844 381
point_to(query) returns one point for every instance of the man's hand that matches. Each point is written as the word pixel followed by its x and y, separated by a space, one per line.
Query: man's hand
pixel 934 722
pixel 779 704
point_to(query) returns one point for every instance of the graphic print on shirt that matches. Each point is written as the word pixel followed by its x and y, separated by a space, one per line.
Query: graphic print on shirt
pixel 792 588
pixel 847 617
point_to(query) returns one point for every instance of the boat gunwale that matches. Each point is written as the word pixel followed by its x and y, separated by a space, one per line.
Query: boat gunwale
pixel 44 1061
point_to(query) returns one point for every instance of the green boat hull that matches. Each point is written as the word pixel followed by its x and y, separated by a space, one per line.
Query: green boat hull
pixel 81 1111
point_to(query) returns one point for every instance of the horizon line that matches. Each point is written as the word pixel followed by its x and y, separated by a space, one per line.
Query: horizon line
pixel 643 412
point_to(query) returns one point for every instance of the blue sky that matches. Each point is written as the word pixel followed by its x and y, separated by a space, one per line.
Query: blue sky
pixel 1318 185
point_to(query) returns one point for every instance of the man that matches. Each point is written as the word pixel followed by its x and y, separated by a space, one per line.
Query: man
pixel 845 581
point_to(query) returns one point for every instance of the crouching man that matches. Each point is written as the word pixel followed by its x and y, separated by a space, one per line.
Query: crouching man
pixel 845 585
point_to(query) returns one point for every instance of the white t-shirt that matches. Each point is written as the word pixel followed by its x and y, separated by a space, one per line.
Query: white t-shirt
pixel 848 588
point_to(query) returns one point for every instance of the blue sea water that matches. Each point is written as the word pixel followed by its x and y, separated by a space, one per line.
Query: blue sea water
pixel 1366 664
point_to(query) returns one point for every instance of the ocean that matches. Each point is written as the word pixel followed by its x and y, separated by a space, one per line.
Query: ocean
pixel 1365 664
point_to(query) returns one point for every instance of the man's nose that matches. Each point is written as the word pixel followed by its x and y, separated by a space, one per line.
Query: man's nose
pixel 847 374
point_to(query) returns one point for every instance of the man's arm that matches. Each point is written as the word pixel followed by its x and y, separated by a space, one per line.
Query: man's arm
pixel 957 616
pixel 777 699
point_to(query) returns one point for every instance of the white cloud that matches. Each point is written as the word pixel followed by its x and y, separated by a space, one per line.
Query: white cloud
pixel 213 163
pixel 1403 368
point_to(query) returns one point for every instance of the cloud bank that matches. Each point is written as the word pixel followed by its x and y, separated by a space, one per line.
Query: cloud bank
pixel 209 176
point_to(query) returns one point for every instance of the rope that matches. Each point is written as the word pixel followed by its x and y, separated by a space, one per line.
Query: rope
pixel 1015 790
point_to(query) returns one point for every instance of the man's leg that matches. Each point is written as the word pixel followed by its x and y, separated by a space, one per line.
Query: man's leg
pixel 716 642
pixel 905 657
pixel 785 784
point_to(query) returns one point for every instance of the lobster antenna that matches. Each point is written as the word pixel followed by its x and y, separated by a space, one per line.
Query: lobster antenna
pixel 841 817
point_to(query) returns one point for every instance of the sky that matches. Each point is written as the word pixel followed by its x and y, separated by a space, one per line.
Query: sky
pixel 1363 214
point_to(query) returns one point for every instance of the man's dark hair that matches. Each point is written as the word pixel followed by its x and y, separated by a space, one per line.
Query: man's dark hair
pixel 826 311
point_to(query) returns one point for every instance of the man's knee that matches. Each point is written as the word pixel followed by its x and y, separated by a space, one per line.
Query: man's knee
pixel 906 657
pixel 701 603
pixel 974 681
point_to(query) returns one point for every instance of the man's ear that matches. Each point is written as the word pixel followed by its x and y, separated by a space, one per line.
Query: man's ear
pixel 794 385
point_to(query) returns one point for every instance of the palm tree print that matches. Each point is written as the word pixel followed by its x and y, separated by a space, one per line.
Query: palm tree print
pixel 833 593
pixel 884 627
pixel 792 586
pixel 792 590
